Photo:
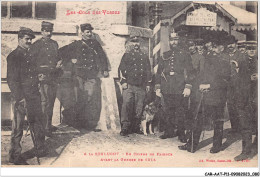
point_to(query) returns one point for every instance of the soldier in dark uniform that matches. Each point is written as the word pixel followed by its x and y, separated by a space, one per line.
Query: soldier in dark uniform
pixel 87 59
pixel 135 76
pixel 173 67
pixel 212 81
pixel 23 83
pixel 235 57
pixel 252 58
pixel 45 53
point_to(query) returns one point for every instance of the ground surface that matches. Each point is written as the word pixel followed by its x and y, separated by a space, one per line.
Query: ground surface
pixel 80 148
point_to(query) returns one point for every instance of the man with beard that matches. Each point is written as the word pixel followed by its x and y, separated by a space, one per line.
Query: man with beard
pixel 173 67
pixel 252 59
pixel 135 77
pixel 211 87
pixel 45 53
pixel 23 83
pixel 87 60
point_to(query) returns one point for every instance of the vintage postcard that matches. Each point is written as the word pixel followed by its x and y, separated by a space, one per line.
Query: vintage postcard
pixel 129 84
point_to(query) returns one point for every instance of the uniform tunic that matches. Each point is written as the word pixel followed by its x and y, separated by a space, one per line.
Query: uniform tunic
pixel 91 60
pixel 135 70
pixel 23 83
pixel 173 75
pixel 45 54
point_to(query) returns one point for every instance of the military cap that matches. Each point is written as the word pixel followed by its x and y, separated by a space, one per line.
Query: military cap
pixel 134 39
pixel 251 45
pixel 174 36
pixel 230 40
pixel 190 42
pixel 86 26
pixel 26 31
pixel 241 44
pixel 48 26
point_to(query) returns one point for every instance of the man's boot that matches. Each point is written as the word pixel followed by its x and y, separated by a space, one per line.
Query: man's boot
pixel 246 147
pixel 217 138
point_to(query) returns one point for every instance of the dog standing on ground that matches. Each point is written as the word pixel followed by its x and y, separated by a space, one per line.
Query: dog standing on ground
pixel 148 116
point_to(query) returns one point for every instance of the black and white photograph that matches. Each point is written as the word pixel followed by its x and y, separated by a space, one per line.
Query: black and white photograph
pixel 129 84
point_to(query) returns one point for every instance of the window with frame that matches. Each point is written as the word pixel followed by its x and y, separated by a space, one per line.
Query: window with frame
pixel 45 10
pixel 21 9
pixel 28 9
pixel 3 9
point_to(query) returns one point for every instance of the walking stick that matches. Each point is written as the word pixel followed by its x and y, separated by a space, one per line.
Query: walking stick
pixel 195 120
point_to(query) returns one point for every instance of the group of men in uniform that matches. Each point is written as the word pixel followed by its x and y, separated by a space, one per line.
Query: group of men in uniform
pixel 35 71
pixel 196 80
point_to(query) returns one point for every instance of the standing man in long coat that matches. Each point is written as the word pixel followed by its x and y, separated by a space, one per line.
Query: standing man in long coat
pixel 211 90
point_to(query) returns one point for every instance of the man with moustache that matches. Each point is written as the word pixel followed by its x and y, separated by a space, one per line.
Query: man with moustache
pixel 135 77
pixel 173 82
pixel 45 53
pixel 23 82
pixel 88 60
pixel 212 83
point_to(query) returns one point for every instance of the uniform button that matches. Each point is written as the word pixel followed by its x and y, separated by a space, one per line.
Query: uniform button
pixel 48 55
pixel 50 62
pixel 132 53
pixel 135 74
pixel 141 75
pixel 135 69
pixel 85 59
pixel 83 54
pixel 31 77
pixel 27 61
pixel 92 60
pixel 135 64
pixel 47 48
pixel 141 64
pixel 141 59
pixel 85 65
pixel 141 69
